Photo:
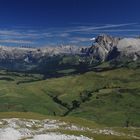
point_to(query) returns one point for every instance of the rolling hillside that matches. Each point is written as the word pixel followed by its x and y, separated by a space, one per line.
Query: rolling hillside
pixel 109 97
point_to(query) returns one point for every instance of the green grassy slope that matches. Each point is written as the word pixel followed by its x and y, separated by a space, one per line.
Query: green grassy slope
pixel 110 97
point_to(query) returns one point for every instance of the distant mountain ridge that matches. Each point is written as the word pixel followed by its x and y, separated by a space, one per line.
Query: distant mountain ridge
pixel 104 48
pixel 21 53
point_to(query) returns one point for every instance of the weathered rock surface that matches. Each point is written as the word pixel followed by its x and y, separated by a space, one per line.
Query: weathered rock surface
pixel 107 47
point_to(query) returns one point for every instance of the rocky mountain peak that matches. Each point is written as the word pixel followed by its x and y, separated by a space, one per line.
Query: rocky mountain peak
pixel 103 38
pixel 107 40
pixel 106 47
pixel 102 46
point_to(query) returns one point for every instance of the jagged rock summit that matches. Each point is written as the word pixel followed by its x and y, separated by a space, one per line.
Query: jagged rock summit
pixel 106 47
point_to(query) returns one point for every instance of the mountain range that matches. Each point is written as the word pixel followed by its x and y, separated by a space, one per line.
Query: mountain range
pixel 104 48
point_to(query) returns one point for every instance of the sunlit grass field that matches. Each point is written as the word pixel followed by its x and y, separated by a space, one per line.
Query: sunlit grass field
pixel 109 98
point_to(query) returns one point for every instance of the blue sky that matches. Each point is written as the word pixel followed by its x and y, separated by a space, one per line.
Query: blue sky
pixel 42 23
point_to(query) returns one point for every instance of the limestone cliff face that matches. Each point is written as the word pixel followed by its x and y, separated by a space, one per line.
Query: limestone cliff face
pixel 107 47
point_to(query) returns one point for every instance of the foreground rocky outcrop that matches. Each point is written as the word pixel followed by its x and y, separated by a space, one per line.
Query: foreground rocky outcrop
pixel 17 129
pixel 29 129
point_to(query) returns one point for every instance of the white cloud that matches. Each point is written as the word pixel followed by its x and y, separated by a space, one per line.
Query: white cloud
pixel 81 39
pixel 16 41
pixel 92 39
pixel 91 28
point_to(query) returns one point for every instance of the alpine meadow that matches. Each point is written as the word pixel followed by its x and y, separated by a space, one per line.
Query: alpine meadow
pixel 69 70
